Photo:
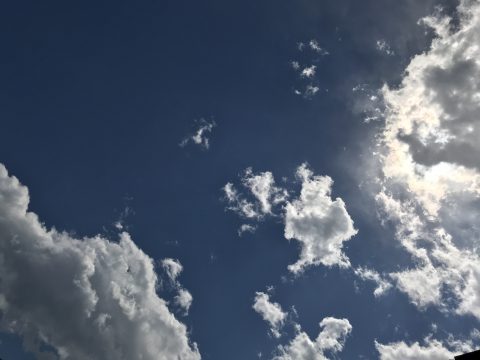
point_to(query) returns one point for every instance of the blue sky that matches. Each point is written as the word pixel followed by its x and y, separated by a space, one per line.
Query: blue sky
pixel 239 179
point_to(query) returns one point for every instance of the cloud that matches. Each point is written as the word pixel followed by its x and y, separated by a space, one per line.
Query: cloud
pixel 88 298
pixel 307 86
pixel 308 72
pixel 371 275
pixel 384 47
pixel 264 191
pixel 331 339
pixel 319 223
pixel 315 46
pixel 431 349
pixel 184 299
pixel 200 136
pixel 173 269
pixel 271 312
pixel 430 163
pixel 244 228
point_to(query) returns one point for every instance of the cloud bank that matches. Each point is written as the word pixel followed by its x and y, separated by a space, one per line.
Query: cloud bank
pixel 430 164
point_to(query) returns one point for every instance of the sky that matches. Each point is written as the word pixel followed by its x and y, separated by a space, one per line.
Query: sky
pixel 293 180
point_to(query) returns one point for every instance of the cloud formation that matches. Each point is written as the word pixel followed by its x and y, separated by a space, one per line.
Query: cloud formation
pixel 173 269
pixel 271 312
pixel 331 339
pixel 88 298
pixel 200 137
pixel 430 161
pixel 319 223
pixel 431 349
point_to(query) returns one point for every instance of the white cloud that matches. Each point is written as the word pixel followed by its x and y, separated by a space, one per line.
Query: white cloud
pixel 244 228
pixel 371 275
pixel 430 160
pixel 172 267
pixel 263 187
pixel 107 289
pixel 431 350
pixel 320 224
pixel 200 136
pixel 310 90
pixel 331 339
pixel 238 204
pixel 308 72
pixel 314 45
pixel 184 299
pixel 271 312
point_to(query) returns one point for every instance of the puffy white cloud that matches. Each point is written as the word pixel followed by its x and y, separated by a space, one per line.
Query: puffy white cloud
pixel 331 339
pixel 320 224
pixel 271 312
pixel 88 298
pixel 431 350
pixel 371 275
pixel 200 136
pixel 430 161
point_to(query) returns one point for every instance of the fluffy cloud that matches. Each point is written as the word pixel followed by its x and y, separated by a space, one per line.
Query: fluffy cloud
pixel 319 223
pixel 330 339
pixel 200 136
pixel 430 160
pixel 431 349
pixel 172 267
pixel 87 298
pixel 271 312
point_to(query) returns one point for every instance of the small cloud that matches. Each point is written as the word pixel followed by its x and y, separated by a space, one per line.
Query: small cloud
pixel 246 228
pixel 200 136
pixel 384 47
pixel 313 44
pixel 308 72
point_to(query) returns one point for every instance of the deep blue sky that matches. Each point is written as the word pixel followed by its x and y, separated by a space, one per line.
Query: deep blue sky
pixel 95 97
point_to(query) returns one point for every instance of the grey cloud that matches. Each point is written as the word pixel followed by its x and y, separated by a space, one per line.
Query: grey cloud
pixel 88 298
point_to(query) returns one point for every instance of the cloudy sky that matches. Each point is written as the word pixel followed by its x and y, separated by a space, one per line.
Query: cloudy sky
pixel 293 180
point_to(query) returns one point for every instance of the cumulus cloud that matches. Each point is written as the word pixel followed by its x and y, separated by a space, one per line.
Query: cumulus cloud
pixel 172 267
pixel 319 223
pixel 331 339
pixel 200 137
pixel 430 162
pixel 308 72
pixel 88 298
pixel 271 312
pixel 184 299
pixel 431 349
